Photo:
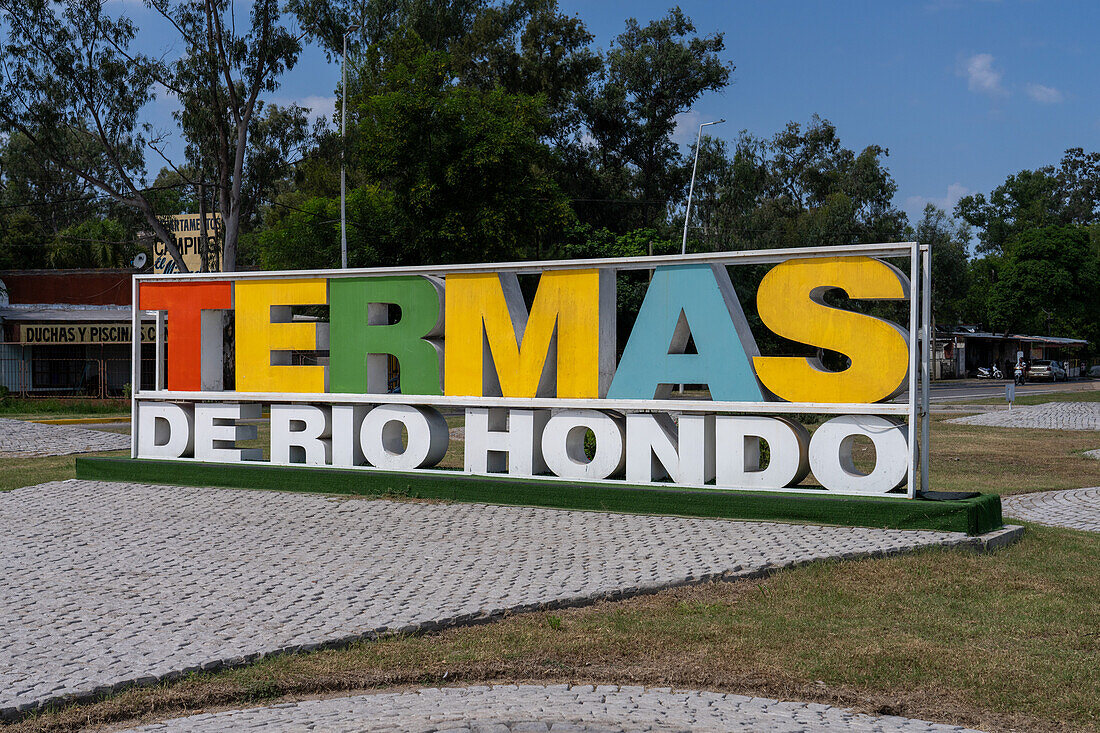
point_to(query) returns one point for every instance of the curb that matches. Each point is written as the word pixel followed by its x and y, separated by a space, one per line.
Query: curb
pixel 84 420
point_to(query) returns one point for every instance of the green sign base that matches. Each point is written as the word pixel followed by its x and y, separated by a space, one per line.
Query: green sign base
pixel 973 516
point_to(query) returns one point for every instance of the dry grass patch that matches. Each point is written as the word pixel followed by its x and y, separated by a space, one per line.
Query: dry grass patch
pixel 997 642
pixel 1011 460
pixel 16 473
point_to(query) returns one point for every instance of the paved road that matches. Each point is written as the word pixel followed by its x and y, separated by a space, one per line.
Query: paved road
pixel 515 708
pixel 110 583
pixel 20 439
pixel 1075 508
pixel 968 389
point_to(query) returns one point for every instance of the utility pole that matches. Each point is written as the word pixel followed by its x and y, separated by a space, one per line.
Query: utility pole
pixel 343 145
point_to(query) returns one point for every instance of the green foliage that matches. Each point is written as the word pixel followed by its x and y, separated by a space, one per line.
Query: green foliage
pixel 1025 200
pixel 21 241
pixel 653 73
pixel 1039 232
pixel 800 188
pixel 92 243
pixel 440 172
pixel 51 194
pixel 950 274
pixel 1049 283
pixel 74 89
pixel 1049 196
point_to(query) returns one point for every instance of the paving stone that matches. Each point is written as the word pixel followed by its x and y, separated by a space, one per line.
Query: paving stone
pixel 1050 416
pixel 21 439
pixel 1074 508
pixel 628 709
pixel 109 584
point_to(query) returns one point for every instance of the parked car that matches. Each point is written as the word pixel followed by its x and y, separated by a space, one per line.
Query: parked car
pixel 1094 371
pixel 1044 370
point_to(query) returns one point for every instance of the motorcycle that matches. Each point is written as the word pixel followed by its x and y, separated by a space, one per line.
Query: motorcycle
pixel 1019 375
pixel 988 373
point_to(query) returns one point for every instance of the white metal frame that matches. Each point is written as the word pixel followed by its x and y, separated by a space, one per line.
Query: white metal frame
pixel 915 408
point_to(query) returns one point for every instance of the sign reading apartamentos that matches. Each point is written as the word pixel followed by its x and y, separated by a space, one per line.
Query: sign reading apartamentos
pixel 541 388
pixel 187 229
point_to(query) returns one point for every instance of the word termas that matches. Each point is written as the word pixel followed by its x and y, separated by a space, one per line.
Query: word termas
pixel 472 334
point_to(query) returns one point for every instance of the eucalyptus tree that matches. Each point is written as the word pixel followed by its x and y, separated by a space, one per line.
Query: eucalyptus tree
pixel 653 73
pixel 68 70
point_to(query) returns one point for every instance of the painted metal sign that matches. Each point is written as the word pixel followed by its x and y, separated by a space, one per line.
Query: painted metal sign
pixel 535 384
pixel 81 333
pixel 187 229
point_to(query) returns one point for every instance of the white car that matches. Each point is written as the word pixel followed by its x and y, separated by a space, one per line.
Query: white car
pixel 1045 370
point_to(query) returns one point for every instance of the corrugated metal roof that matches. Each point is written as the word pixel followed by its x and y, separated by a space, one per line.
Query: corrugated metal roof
pixel 60 313
pixel 1056 340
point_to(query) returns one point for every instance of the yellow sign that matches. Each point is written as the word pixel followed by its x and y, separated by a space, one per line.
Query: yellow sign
pixel 187 229
pixel 82 333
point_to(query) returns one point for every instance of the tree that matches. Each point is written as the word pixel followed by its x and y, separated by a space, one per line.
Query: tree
pixel 1068 194
pixel 69 75
pixel 1079 186
pixel 21 241
pixel 439 172
pixel 1049 283
pixel 1025 200
pixel 950 273
pixel 520 46
pixel 800 188
pixel 92 243
pixel 653 73
pixel 54 197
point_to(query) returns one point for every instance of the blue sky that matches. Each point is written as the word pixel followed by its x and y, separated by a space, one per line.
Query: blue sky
pixel 961 92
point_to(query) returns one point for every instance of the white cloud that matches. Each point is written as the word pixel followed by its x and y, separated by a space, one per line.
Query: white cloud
pixel 946 202
pixel 318 106
pixel 687 127
pixel 981 76
pixel 1043 94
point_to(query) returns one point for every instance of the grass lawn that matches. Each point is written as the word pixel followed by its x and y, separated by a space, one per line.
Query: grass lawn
pixel 1001 641
pixel 18 472
pixel 1011 460
pixel 46 409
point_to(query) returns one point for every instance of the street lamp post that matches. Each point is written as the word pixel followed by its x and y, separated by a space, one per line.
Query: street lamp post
pixel 691 189
pixel 343 130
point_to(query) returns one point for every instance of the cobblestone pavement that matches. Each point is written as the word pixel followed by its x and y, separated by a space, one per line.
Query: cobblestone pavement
pixel 577 708
pixel 1051 415
pixel 1075 508
pixel 19 438
pixel 111 583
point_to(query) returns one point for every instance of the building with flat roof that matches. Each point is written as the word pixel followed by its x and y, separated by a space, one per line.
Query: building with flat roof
pixel 961 350
pixel 67 332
